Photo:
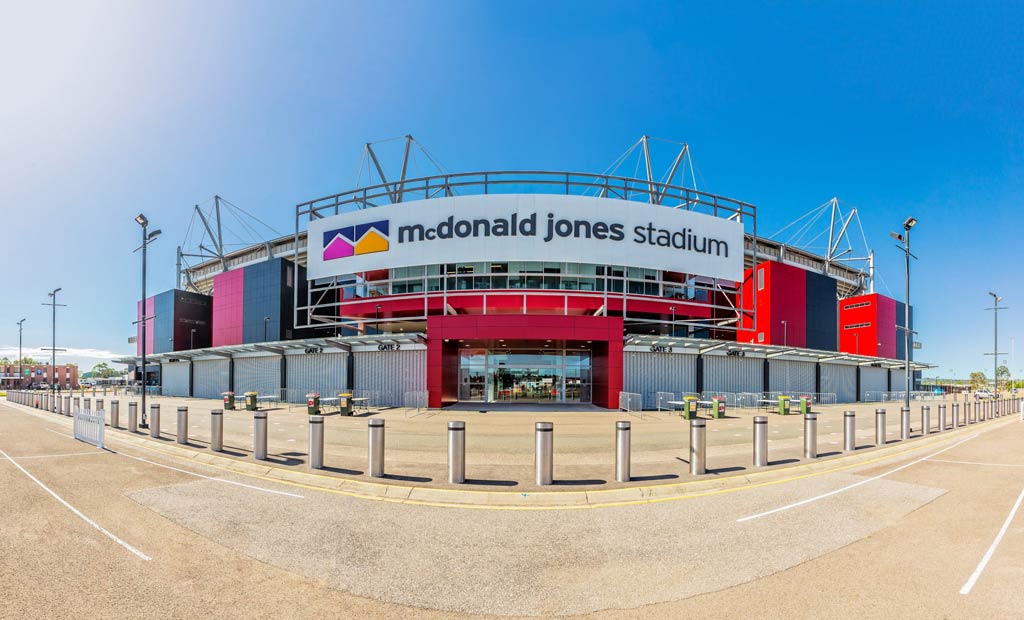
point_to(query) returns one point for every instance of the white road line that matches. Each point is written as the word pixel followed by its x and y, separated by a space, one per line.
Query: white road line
pixel 850 486
pixel 991 550
pixel 50 456
pixel 977 463
pixel 77 512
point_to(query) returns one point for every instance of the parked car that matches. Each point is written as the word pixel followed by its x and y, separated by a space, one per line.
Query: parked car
pixel 983 394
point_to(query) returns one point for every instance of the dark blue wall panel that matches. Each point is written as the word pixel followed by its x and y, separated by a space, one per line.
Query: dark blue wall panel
pixel 822 312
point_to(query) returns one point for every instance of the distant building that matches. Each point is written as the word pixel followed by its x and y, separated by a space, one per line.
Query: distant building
pixel 36 374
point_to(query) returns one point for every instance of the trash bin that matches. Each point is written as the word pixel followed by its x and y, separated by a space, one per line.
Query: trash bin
pixel 345 403
pixel 805 404
pixel 313 404
pixel 783 405
pixel 250 401
pixel 689 407
pixel 229 400
pixel 718 409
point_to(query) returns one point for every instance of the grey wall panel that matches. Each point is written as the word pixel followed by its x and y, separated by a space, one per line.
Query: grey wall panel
pixel 791 376
pixel 325 373
pixel 872 380
pixel 174 379
pixel 840 380
pixel 733 374
pixel 649 373
pixel 390 373
pixel 210 378
pixel 899 379
pixel 258 374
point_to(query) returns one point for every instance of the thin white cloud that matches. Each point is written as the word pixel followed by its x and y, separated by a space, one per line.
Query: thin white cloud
pixel 72 354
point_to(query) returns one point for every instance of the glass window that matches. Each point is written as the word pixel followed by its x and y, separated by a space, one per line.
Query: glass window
pixel 499 267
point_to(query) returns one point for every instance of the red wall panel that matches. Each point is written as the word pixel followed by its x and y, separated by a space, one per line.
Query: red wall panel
pixel 782 298
pixel 228 307
pixel 150 311
pixel 878 337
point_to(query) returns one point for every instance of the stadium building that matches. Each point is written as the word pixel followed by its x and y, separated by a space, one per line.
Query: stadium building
pixel 524 287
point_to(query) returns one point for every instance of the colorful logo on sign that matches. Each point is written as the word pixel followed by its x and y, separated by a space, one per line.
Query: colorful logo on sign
pixel 354 240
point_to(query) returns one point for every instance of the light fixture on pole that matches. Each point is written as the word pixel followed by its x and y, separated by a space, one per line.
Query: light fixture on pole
pixel 904 240
pixel 376 318
pixel 53 348
pixel 673 310
pixel 995 340
pixel 20 371
pixel 147 237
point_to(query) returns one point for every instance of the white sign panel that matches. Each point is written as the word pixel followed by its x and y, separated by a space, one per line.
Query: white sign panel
pixel 526 227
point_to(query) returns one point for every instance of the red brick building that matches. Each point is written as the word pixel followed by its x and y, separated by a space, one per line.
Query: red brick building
pixel 36 374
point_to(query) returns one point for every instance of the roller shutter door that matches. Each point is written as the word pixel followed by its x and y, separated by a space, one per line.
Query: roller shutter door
pixel 872 382
pixel 258 374
pixel 326 373
pixel 899 379
pixel 390 373
pixel 733 374
pixel 649 373
pixel 210 378
pixel 839 380
pixel 791 376
pixel 174 379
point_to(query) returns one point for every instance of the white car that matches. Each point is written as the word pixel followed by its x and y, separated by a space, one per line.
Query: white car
pixel 984 394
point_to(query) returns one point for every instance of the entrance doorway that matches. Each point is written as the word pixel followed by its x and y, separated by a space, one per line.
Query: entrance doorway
pixel 525 375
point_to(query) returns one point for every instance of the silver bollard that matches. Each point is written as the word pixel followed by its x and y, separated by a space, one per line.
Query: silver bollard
pixel 849 431
pixel 217 430
pixel 760 441
pixel 154 421
pixel 375 448
pixel 879 427
pixel 698 446
pixel 99 404
pixel 88 404
pixel 904 423
pixel 114 413
pixel 259 435
pixel 956 415
pixel 456 452
pixel 544 453
pixel 622 450
pixel 77 405
pixel 942 418
pixel 926 420
pixel 316 442
pixel 133 417
pixel 810 435
pixel 183 425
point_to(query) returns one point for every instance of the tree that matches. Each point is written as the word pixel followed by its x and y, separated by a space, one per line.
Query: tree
pixel 102 370
pixel 978 380
pixel 1003 375
pixel 4 360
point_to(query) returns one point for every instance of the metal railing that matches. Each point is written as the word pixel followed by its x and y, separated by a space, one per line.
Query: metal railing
pixel 415 402
pixel 873 396
pixel 89 426
pixel 817 398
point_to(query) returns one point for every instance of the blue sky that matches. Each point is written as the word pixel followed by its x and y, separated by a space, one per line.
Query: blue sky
pixel 115 108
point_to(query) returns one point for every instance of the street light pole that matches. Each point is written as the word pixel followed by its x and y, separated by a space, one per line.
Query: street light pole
pixel 20 371
pixel 53 347
pixel 995 340
pixel 904 239
pixel 146 238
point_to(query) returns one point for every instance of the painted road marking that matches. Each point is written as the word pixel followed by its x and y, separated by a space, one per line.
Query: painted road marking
pixel 977 463
pixel 50 456
pixel 78 512
pixel 992 549
pixel 849 486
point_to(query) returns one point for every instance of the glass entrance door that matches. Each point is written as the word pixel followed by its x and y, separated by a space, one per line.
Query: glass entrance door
pixel 510 375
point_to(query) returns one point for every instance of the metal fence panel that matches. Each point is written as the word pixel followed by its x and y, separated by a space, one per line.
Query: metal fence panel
pixel 841 380
pixel 258 374
pixel 650 373
pixel 733 374
pixel 211 378
pixel 390 374
pixel 324 373
pixel 89 426
pixel 174 378
pixel 791 376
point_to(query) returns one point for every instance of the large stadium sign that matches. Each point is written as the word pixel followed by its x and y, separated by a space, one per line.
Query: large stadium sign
pixel 526 227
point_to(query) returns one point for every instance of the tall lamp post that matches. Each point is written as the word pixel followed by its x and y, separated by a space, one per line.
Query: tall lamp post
pixel 53 348
pixel 21 373
pixel 147 237
pixel 904 240
pixel 266 321
pixel 995 340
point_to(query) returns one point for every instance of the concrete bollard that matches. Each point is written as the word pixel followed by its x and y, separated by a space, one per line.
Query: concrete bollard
pixel 698 446
pixel 88 404
pixel 375 448
pixel 849 431
pixel 904 423
pixel 133 417
pixel 114 413
pixel 622 450
pixel 456 452
pixel 942 418
pixel 926 420
pixel 316 442
pixel 956 415
pixel 76 407
pixel 99 404
pixel 544 453
pixel 154 421
pixel 259 435
pixel 217 430
pixel 879 427
pixel 182 425
pixel 810 435
pixel 760 441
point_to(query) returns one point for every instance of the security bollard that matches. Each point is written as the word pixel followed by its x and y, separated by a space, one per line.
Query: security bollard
pixel 183 425
pixel 316 442
pixel 926 420
pixel 698 446
pixel 259 435
pixel 904 423
pixel 942 418
pixel 879 427
pixel 622 449
pixel 544 453
pixel 99 404
pixel 75 408
pixel 849 431
pixel 968 414
pixel 114 413
pixel 375 451
pixel 216 430
pixel 456 452
pixel 154 421
pixel 88 404
pixel 956 415
pixel 760 441
pixel 133 417
pixel 810 435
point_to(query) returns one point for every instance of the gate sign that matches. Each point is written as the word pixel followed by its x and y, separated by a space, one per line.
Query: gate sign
pixel 526 227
